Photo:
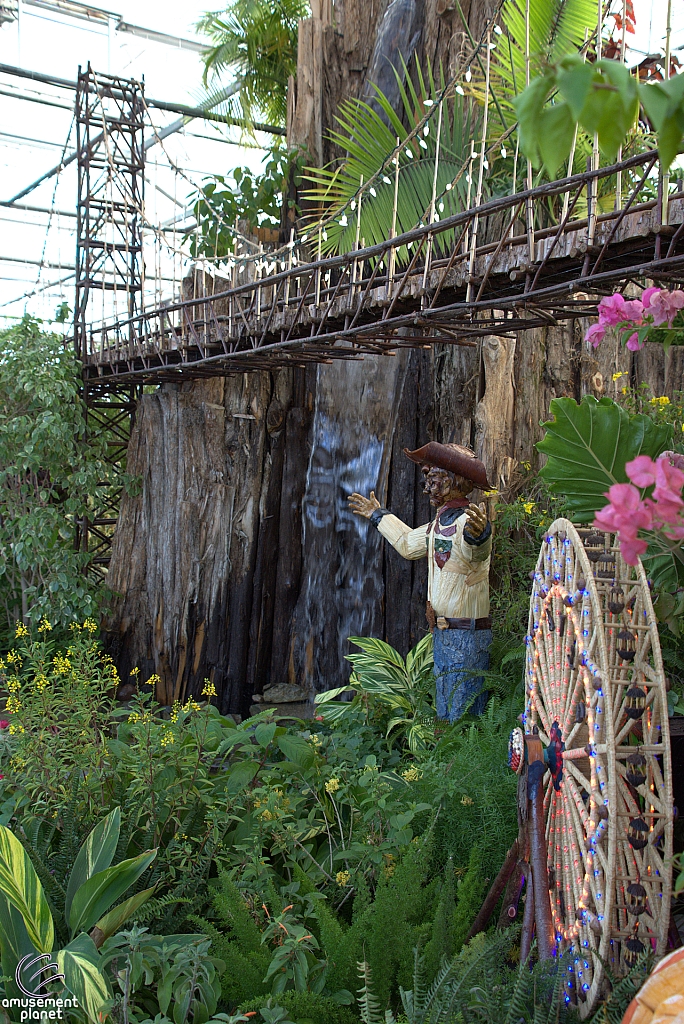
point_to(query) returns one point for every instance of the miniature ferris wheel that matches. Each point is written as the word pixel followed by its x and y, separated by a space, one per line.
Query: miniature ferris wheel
pixel 596 752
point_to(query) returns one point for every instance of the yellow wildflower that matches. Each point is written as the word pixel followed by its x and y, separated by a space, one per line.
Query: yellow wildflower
pixel 133 717
pixel 175 711
pixel 13 684
pixel 332 785
pixel 315 739
pixel 343 878
pixel 13 705
pixel 467 801
pixel 75 627
pixel 527 466
pixel 90 625
pixel 191 705
pixel 41 682
pixel 662 400
pixel 624 390
pixel 2 663
pixel 44 626
pixel 13 658
pixel 411 774
pixel 491 494
pixel 62 664
pixel 528 507
pixel 153 680
pixel 167 738
pixel 209 689
pixel 267 815
pixel 135 671
pixel 14 730
pixel 622 373
pixel 21 630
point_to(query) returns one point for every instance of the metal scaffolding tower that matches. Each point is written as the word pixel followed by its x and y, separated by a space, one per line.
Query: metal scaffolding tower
pixel 109 263
pixel 111 160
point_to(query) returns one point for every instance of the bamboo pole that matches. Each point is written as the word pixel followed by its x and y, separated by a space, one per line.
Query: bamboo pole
pixel 666 176
pixel 318 269
pixel 393 252
pixel 595 155
pixel 434 195
pixel 480 177
pixel 357 237
pixel 623 46
pixel 528 206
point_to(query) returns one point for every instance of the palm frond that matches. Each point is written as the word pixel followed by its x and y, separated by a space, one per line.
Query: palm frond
pixel 368 136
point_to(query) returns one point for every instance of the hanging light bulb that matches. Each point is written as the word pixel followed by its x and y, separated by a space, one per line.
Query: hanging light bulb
pixel 459 90
pixel 468 75
pixel 503 152
pixel 616 600
pixel 372 192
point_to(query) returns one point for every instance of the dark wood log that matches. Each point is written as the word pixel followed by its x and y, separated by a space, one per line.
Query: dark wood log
pixel 497 887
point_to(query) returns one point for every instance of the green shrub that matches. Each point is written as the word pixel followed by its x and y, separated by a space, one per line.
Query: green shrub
pixel 306 1006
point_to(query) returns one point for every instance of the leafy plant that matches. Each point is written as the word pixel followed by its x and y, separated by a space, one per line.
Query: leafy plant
pixel 588 445
pixel 255 198
pixel 385 684
pixel 174 974
pixel 256 40
pixel 27 924
pixel 48 477
pixel 602 97
pixel 368 136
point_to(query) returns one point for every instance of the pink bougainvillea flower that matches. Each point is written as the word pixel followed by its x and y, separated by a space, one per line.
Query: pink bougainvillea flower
pixel 674 458
pixel 641 471
pixel 633 343
pixel 626 512
pixel 664 306
pixel 611 310
pixel 647 294
pixel 669 482
pixel 634 310
pixel 632 549
pixel 4 723
pixel 595 335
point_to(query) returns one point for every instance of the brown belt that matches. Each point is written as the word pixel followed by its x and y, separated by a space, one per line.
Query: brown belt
pixel 444 623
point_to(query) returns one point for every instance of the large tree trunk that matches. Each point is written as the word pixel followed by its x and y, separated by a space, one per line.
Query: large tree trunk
pixel 238 560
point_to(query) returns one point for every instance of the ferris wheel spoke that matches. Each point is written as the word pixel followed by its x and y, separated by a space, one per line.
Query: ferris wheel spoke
pixel 574 771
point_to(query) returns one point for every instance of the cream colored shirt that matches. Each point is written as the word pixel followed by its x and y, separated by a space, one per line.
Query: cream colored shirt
pixel 460 588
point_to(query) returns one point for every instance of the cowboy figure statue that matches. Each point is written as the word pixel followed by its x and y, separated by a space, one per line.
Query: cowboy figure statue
pixel 458 545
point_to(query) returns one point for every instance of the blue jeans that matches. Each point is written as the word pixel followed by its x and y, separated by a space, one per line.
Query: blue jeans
pixel 458 652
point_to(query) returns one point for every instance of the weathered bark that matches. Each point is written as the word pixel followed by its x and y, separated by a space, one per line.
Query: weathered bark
pixel 238 560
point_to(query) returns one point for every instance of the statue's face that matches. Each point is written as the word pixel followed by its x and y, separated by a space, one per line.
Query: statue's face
pixel 441 486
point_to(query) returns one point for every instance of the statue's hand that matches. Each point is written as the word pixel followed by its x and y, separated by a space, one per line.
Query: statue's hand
pixel 477 520
pixel 363 506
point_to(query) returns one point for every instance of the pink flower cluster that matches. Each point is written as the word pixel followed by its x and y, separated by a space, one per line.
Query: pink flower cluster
pixel 627 512
pixel 656 307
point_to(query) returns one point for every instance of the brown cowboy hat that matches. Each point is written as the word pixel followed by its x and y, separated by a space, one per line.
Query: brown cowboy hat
pixel 454 458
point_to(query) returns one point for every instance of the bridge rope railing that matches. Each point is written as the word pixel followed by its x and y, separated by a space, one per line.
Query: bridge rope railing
pixel 367 295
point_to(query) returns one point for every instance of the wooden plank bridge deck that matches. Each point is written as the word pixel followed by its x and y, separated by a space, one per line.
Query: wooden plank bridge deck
pixel 474 274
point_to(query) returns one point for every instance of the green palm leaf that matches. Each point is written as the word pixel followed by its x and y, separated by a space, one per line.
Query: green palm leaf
pixel 368 136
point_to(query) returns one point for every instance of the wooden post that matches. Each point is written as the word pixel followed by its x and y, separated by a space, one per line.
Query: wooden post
pixel 538 862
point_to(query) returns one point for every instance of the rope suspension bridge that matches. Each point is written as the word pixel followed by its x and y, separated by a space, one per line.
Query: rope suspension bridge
pixel 501 265
pixel 536 257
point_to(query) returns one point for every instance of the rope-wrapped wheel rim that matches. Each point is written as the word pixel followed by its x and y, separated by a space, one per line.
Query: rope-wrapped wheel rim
pixel 595 690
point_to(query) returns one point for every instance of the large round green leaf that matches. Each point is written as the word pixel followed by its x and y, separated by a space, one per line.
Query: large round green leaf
pixel 588 446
